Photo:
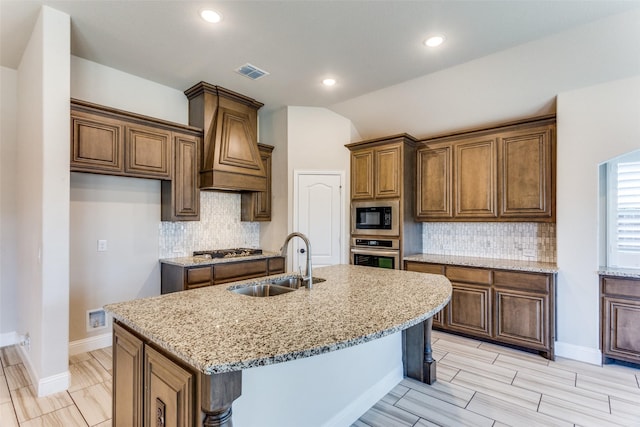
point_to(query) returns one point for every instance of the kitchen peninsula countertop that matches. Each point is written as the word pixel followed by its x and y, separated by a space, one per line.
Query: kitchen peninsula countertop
pixel 493 263
pixel 190 261
pixel 216 331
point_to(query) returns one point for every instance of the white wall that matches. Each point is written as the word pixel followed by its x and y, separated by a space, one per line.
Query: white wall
pixel 42 181
pixel 316 141
pixel 8 205
pixel 595 124
pixel 273 131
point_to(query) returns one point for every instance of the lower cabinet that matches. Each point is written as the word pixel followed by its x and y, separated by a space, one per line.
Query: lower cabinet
pixel 150 389
pixel 620 319
pixel 510 307
pixel 174 278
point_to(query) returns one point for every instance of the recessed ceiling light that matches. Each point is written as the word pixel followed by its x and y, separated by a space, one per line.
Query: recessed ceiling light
pixel 329 82
pixel 434 41
pixel 211 16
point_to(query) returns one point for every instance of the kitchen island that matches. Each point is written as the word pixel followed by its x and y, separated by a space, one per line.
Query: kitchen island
pixel 215 335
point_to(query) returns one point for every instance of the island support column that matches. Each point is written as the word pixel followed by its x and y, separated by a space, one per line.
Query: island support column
pixel 417 357
pixel 217 393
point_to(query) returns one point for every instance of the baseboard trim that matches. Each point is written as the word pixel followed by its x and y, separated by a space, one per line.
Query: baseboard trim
pixel 355 409
pixel 45 386
pixel 579 353
pixel 90 344
pixel 9 338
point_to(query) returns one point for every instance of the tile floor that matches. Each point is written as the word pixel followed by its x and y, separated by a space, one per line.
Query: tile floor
pixel 479 384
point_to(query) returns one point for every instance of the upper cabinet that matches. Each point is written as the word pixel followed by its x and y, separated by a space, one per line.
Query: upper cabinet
pixel 230 156
pixel 113 142
pixel 378 167
pixel 256 205
pixel 498 174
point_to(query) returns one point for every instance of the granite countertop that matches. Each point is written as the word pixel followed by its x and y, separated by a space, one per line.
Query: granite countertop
pixel 215 330
pixel 190 261
pixel 632 273
pixel 493 263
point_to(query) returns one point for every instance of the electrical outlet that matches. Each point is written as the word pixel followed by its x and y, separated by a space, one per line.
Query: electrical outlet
pixel 102 245
pixel 529 253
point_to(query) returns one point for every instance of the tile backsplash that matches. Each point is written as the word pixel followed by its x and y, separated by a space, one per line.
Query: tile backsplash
pixel 219 228
pixel 526 241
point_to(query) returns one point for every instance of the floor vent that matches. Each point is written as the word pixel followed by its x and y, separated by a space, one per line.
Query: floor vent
pixel 251 71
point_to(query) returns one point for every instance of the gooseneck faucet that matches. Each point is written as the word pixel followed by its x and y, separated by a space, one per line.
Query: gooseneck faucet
pixel 283 251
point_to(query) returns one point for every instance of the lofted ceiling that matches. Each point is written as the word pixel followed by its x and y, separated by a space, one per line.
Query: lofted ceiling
pixel 365 45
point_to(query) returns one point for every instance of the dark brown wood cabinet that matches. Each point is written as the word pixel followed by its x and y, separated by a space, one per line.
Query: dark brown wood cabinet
pixel 181 195
pixel 526 163
pixel 128 360
pixel 169 392
pixel 497 174
pixel 620 318
pixel 108 141
pixel 503 306
pixel 174 278
pixel 378 168
pixel 256 205
pixel 149 388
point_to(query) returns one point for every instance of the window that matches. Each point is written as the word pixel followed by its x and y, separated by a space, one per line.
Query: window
pixel 623 210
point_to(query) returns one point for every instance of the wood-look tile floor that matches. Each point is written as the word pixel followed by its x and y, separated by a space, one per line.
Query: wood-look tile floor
pixel 479 384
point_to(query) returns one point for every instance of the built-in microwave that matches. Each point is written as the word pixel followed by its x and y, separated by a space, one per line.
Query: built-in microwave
pixel 375 218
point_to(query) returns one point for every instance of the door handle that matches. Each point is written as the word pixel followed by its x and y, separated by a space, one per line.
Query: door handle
pixel 302 251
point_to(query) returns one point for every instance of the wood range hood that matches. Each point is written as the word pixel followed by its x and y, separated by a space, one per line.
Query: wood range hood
pixel 230 160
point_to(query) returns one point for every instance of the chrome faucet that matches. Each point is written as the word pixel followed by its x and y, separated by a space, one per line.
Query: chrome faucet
pixel 283 252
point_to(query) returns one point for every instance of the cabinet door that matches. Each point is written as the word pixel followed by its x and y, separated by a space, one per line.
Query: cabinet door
pixel 256 206
pixel 621 329
pixel 475 178
pixel 469 309
pixel 181 195
pixel 362 174
pixel 433 194
pixel 148 152
pixel 97 143
pixel 387 172
pixel 522 318
pixel 169 392
pixel 127 378
pixel 232 271
pixel 526 181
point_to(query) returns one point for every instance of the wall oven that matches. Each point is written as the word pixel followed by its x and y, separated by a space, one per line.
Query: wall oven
pixel 375 253
pixel 380 218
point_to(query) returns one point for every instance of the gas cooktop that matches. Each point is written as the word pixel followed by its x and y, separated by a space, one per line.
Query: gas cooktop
pixel 228 253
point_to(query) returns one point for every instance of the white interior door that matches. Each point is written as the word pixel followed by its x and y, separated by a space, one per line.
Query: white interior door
pixel 318 213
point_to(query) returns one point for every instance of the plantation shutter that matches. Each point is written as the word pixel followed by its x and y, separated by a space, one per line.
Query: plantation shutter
pixel 628 207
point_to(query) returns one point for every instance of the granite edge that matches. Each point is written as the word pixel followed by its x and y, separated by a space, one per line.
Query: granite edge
pixel 191 261
pixel 493 263
pixel 619 272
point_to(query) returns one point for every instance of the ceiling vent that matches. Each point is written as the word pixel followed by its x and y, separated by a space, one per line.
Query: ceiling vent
pixel 251 71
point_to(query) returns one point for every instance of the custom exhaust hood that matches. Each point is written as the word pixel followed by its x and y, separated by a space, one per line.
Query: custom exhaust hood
pixel 230 159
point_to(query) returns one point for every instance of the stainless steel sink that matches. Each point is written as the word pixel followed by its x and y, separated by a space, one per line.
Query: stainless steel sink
pixel 274 287
pixel 262 290
pixel 294 282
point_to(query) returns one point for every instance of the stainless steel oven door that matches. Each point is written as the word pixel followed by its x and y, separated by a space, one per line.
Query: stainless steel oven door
pixel 395 219
pixel 376 258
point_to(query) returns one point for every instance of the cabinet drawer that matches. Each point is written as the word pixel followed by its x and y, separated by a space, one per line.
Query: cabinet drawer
pixel 276 265
pixel 473 275
pixel 240 270
pixel 197 275
pixel 623 287
pixel 423 267
pixel 517 280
